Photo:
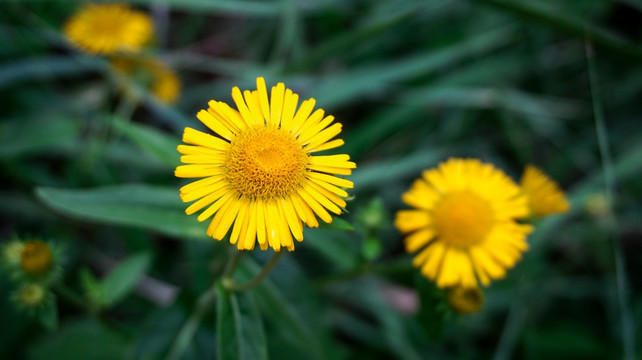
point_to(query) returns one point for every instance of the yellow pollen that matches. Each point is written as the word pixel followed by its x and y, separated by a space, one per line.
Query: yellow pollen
pixel 462 219
pixel 265 162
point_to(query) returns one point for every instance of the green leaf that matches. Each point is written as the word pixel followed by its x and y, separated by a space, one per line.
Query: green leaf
pixel 371 248
pixel 155 142
pixel 334 245
pixel 124 277
pixel 152 208
pixel 392 16
pixel 53 67
pixel 565 340
pixel 79 340
pixel 336 90
pixel 92 289
pixel 337 224
pixel 434 312
pixel 567 23
pixel 383 171
pixel 48 315
pixel 235 7
pixel 293 307
pixel 23 137
pixel 221 7
pixel 239 327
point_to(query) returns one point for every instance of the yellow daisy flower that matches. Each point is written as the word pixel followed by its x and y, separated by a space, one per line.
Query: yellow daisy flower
pixel 151 73
pixel 260 177
pixel 544 196
pixel 108 28
pixel 464 225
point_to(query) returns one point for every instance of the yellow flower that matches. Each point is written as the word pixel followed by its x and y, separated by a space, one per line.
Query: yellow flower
pixel 36 257
pixel 30 295
pixel 465 300
pixel 597 205
pixel 260 177
pixel 464 225
pixel 12 252
pixel 166 85
pixel 108 28
pixel 152 74
pixel 545 197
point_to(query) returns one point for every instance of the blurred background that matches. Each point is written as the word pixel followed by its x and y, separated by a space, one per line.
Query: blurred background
pixel 87 154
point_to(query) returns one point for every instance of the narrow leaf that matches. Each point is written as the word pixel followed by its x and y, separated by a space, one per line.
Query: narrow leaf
pixel 158 144
pixel 124 277
pixel 52 67
pixel 148 207
pixel 293 307
pixel 240 330
pixel 568 23
pixel 23 137
pixel 342 88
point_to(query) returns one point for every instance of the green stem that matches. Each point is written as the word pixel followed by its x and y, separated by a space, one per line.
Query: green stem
pixel 233 287
pixel 231 265
pixel 203 304
pixel 626 323
pixel 188 330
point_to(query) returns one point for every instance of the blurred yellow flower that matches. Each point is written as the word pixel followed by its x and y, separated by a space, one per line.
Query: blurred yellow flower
pixel 36 257
pixel 108 28
pixel 152 74
pixel 597 205
pixel 166 85
pixel 12 252
pixel 464 225
pixel 30 295
pixel 465 300
pixel 260 176
pixel 544 196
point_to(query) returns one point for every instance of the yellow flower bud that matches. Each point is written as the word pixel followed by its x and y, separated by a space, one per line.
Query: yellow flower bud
pixel 465 300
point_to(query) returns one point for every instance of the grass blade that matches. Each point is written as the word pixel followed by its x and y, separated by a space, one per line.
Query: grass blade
pixel 626 317
pixel 569 24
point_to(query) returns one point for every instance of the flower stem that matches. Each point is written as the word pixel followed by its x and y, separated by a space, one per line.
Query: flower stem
pixel 231 265
pixel 232 286
pixel 203 304
pixel 188 329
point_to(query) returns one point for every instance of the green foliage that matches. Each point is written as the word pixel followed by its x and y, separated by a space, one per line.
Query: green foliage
pixel 80 339
pixel 124 277
pixel 414 82
pixel 239 327
pixel 155 142
pixel 149 207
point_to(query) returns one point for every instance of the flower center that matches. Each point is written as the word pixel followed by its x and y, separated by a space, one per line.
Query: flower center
pixel 265 162
pixel 462 219
pixel 36 257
